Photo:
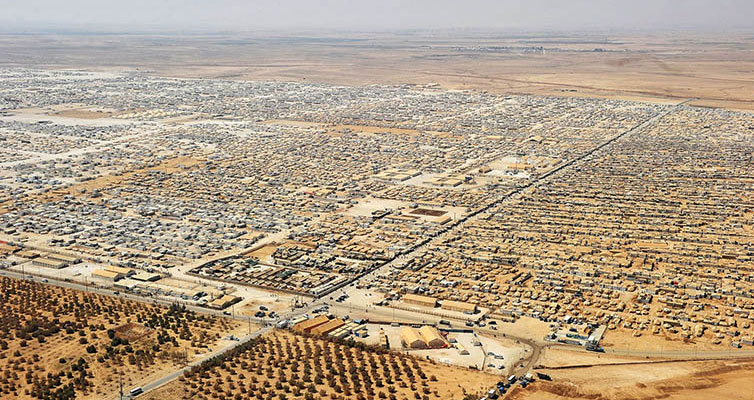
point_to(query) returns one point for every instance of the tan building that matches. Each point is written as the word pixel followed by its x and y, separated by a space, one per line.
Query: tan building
pixel 432 338
pixel 224 301
pixel 309 324
pixel 327 327
pixel 461 306
pixel 121 270
pixel 420 300
pixel 106 275
pixel 411 339
pixel 147 277
pixel 28 254
pixel 49 263
pixel 66 259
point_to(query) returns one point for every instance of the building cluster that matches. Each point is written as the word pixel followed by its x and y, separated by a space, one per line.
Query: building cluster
pixel 651 235
pixel 144 170
pixel 523 205
pixel 248 271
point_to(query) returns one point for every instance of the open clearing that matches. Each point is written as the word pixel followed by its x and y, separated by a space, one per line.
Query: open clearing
pixel 582 375
pixel 715 71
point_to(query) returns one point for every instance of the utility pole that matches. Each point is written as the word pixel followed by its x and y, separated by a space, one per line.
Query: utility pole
pixel 121 385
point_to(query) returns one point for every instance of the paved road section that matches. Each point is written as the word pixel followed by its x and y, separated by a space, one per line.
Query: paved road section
pixel 167 378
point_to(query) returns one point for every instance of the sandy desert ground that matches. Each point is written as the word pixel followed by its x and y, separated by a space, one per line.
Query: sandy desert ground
pixel 661 380
pixel 716 71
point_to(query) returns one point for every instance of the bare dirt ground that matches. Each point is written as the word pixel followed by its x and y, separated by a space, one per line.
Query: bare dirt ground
pixel 83 114
pixel 578 375
pixel 664 67
pixel 558 357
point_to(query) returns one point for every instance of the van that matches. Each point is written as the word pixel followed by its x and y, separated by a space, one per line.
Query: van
pixel 136 391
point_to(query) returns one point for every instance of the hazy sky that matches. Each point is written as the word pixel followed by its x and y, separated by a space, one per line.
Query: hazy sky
pixel 251 15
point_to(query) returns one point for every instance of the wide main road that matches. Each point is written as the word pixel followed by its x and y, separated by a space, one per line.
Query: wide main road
pixel 399 261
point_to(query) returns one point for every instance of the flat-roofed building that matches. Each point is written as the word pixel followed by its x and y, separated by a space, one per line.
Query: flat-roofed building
pixel 146 277
pixel 462 306
pixel 309 324
pixel 126 284
pixel 121 270
pixel 223 301
pixel 327 327
pixel 420 300
pixel 443 220
pixel 411 339
pixel 28 254
pixel 48 262
pixel 106 275
pixel 68 259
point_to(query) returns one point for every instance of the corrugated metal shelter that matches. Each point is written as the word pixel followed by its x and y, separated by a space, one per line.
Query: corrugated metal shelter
pixel 49 262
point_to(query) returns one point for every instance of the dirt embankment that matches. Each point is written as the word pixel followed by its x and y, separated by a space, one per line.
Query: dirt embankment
pixel 695 380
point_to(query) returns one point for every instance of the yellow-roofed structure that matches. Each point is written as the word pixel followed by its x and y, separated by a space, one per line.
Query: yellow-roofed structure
pixel 104 274
pixel 309 324
pixel 411 339
pixel 420 300
pixel 327 327
pixel 121 270
pixel 452 305
pixel 432 338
